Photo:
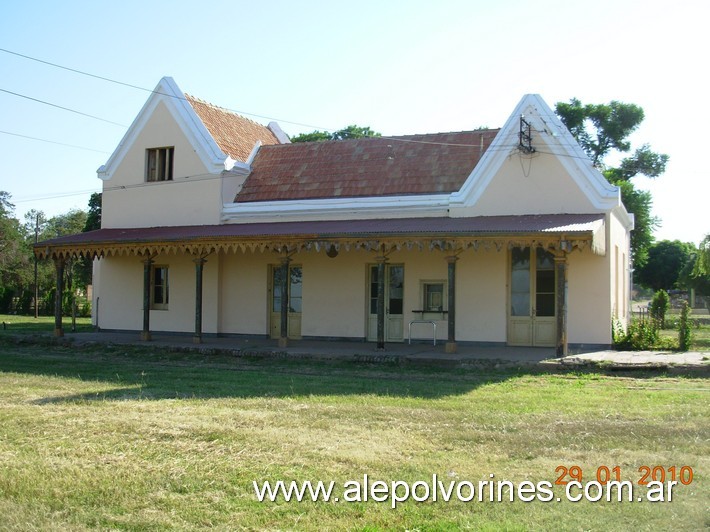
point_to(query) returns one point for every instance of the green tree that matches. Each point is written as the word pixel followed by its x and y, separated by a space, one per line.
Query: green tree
pixel 603 129
pixel 666 260
pixel 702 264
pixel 14 264
pixel 84 266
pixel 639 202
pixel 71 223
pixel 611 124
pixel 696 273
pixel 350 132
pixel 659 306
pixel 10 232
pixel 93 216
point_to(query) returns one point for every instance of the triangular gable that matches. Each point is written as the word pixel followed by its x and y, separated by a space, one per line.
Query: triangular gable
pixel 550 137
pixel 168 93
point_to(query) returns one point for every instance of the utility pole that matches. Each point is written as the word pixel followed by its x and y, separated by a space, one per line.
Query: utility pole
pixel 36 287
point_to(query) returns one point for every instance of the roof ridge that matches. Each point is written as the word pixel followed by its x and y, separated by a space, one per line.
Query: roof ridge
pixel 405 138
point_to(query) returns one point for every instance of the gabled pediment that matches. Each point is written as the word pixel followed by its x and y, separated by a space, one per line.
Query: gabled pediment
pixel 565 175
pixel 168 94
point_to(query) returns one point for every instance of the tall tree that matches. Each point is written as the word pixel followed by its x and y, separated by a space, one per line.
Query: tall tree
pixel 611 124
pixel 10 232
pixel 84 267
pixel 603 129
pixel 666 260
pixel 93 216
pixel 350 132
pixel 15 273
pixel 702 264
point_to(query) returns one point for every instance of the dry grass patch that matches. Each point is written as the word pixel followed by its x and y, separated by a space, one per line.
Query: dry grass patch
pixel 141 439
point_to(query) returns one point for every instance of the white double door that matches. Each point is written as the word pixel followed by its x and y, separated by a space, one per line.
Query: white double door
pixel 532 310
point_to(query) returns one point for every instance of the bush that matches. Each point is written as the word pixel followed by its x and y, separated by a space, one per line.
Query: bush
pixel 659 306
pixel 85 309
pixel 685 335
pixel 640 335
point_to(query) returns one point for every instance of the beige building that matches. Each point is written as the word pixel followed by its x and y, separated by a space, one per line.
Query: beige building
pixel 213 224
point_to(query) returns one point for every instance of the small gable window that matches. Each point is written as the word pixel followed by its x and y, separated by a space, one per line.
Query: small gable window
pixel 159 164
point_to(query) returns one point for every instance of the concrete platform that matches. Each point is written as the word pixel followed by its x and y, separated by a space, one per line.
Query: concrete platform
pixel 396 352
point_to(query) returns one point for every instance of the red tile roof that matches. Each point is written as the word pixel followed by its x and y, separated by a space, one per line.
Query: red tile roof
pixel 374 166
pixel 234 134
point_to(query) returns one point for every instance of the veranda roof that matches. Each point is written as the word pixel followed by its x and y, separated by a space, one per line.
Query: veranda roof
pixel 547 230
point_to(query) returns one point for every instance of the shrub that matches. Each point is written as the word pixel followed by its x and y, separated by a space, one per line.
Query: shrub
pixel 85 309
pixel 685 335
pixel 639 335
pixel 659 306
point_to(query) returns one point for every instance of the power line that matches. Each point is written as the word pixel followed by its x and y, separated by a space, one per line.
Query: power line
pixel 60 107
pixel 53 142
pixel 54 196
pixel 74 70
pixel 194 178
pixel 144 89
pixel 183 98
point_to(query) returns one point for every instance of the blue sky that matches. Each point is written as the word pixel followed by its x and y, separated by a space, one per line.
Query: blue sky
pixel 397 66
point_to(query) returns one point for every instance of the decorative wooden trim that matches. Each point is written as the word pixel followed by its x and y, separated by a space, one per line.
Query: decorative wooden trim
pixel 298 244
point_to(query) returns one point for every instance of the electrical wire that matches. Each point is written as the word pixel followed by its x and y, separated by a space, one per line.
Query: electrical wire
pixel 152 91
pixel 202 177
pixel 183 98
pixel 53 142
pixel 63 108
pixel 193 178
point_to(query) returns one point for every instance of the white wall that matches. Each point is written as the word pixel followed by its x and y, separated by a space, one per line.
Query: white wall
pixel 194 196
pixel 335 293
pixel 525 184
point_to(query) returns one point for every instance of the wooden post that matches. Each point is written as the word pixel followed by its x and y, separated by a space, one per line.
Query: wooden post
pixel 561 295
pixel 451 342
pixel 381 302
pixel 145 334
pixel 59 266
pixel 199 267
pixel 283 338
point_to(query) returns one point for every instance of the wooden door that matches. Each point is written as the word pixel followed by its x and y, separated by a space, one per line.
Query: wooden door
pixel 532 309
pixel 394 303
pixel 295 301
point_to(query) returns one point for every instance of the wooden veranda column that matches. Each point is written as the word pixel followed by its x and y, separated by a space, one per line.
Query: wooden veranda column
pixel 199 267
pixel 381 302
pixel 283 338
pixel 145 334
pixel 59 267
pixel 561 295
pixel 451 342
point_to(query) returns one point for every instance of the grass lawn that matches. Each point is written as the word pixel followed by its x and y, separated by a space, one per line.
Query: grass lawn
pixel 700 337
pixel 12 324
pixel 138 438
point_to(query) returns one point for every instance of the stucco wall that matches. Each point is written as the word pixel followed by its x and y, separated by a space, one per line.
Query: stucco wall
pixel 120 292
pixel 243 278
pixel 335 294
pixel 588 300
pixel 536 184
pixel 193 196
pixel 619 267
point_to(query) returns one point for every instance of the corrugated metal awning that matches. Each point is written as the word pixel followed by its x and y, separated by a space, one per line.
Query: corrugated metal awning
pixel 548 230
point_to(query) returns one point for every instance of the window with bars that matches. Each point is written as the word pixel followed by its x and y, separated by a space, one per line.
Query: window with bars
pixel 159 164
